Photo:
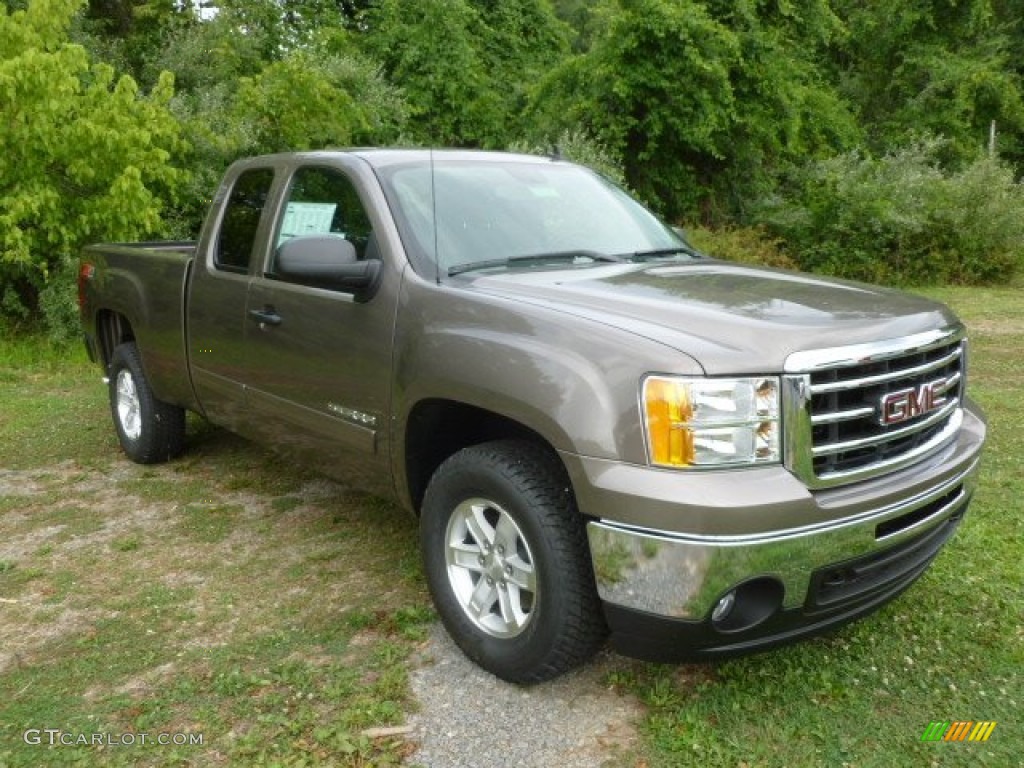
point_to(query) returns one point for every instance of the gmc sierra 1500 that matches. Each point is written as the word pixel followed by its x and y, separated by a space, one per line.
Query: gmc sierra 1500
pixel 598 427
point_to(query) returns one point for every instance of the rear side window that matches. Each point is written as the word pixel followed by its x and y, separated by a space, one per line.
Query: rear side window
pixel 242 219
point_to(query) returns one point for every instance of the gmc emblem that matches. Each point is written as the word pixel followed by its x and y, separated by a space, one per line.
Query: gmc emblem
pixel 897 407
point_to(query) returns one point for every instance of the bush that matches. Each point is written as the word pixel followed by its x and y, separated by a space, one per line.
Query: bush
pixel 903 219
pixel 747 245
pixel 578 147
pixel 309 99
pixel 980 220
pixel 58 304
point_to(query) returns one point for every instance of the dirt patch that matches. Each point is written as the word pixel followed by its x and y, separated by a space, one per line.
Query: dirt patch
pixel 470 718
pixel 75 546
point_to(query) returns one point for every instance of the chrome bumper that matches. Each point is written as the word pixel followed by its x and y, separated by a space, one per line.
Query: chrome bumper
pixel 683 576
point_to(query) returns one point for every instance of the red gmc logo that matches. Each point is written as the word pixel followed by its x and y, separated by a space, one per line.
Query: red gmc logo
pixel 897 407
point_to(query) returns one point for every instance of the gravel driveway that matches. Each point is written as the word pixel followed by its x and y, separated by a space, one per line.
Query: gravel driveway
pixel 471 719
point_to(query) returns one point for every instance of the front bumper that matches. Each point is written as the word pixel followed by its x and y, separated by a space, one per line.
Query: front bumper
pixel 844 553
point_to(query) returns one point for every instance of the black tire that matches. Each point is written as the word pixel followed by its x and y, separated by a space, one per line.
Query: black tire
pixel 539 615
pixel 149 430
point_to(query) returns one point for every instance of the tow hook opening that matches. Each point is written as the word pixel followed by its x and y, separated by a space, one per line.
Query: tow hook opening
pixel 748 604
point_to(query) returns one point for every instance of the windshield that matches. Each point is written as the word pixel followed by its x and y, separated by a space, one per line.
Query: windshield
pixel 491 214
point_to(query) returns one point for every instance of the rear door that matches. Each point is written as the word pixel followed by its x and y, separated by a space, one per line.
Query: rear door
pixel 318 359
pixel 219 288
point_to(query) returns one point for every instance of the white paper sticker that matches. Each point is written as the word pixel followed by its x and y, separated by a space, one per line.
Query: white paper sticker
pixel 306 219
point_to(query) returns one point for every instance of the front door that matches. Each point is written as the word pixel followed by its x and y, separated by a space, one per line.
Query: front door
pixel 318 359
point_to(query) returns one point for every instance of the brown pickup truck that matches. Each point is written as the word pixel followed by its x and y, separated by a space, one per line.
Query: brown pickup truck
pixel 598 428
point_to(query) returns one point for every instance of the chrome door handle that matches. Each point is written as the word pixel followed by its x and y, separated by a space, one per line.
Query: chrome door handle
pixel 265 316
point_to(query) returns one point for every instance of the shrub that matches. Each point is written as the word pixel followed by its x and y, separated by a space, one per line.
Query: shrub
pixel 904 219
pixel 747 245
pixel 58 304
pixel 980 221
pixel 578 147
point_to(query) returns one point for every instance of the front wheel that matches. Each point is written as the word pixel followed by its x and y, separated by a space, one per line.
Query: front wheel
pixel 148 429
pixel 507 561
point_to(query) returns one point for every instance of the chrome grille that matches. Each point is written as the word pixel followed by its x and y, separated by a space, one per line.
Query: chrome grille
pixel 856 412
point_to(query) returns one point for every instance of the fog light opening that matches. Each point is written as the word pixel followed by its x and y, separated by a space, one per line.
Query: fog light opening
pixel 748 604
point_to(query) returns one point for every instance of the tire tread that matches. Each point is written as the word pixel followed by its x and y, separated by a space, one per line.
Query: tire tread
pixel 539 476
pixel 163 424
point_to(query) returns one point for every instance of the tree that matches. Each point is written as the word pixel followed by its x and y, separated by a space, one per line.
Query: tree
pixel 705 101
pixel 579 15
pixel 122 32
pixel 309 100
pixel 942 67
pixel 83 154
pixel 464 65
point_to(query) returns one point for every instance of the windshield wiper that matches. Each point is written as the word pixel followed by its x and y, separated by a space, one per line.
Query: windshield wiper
pixel 533 258
pixel 658 253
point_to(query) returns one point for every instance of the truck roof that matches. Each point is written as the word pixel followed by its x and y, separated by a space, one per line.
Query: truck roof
pixel 380 157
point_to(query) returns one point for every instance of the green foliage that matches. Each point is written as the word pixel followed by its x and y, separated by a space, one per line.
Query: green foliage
pixel 122 32
pixel 464 66
pixel 747 245
pixel 308 101
pixel 902 218
pixel 705 108
pixel 58 303
pixel 207 54
pixel 635 98
pixel 937 66
pixel 581 18
pixel 208 59
pixel 282 26
pixel 580 148
pixel 84 154
pixel 442 75
pixel 702 100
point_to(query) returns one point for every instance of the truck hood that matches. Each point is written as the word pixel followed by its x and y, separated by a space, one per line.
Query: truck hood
pixel 730 318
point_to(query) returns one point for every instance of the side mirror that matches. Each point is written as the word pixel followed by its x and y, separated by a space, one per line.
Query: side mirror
pixel 324 261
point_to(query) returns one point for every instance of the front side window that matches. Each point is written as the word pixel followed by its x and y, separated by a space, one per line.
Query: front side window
pixel 241 220
pixel 322 201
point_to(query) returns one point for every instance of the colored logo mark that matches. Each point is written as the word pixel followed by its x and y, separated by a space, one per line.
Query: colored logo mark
pixel 959 730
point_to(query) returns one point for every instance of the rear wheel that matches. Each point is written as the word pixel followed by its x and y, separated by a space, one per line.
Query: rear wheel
pixel 149 430
pixel 507 561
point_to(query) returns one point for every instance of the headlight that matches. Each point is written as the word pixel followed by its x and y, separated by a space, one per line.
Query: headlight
pixel 711 422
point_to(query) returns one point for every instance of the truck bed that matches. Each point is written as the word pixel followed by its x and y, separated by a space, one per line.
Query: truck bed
pixel 146 282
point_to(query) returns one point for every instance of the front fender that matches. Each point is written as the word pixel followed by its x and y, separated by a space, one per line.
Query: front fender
pixel 573 381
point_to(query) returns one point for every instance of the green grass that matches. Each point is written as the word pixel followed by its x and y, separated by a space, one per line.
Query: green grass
pixel 224 595
pixel 951 648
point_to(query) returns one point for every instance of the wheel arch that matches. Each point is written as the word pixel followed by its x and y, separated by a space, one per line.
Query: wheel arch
pixel 112 329
pixel 437 428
